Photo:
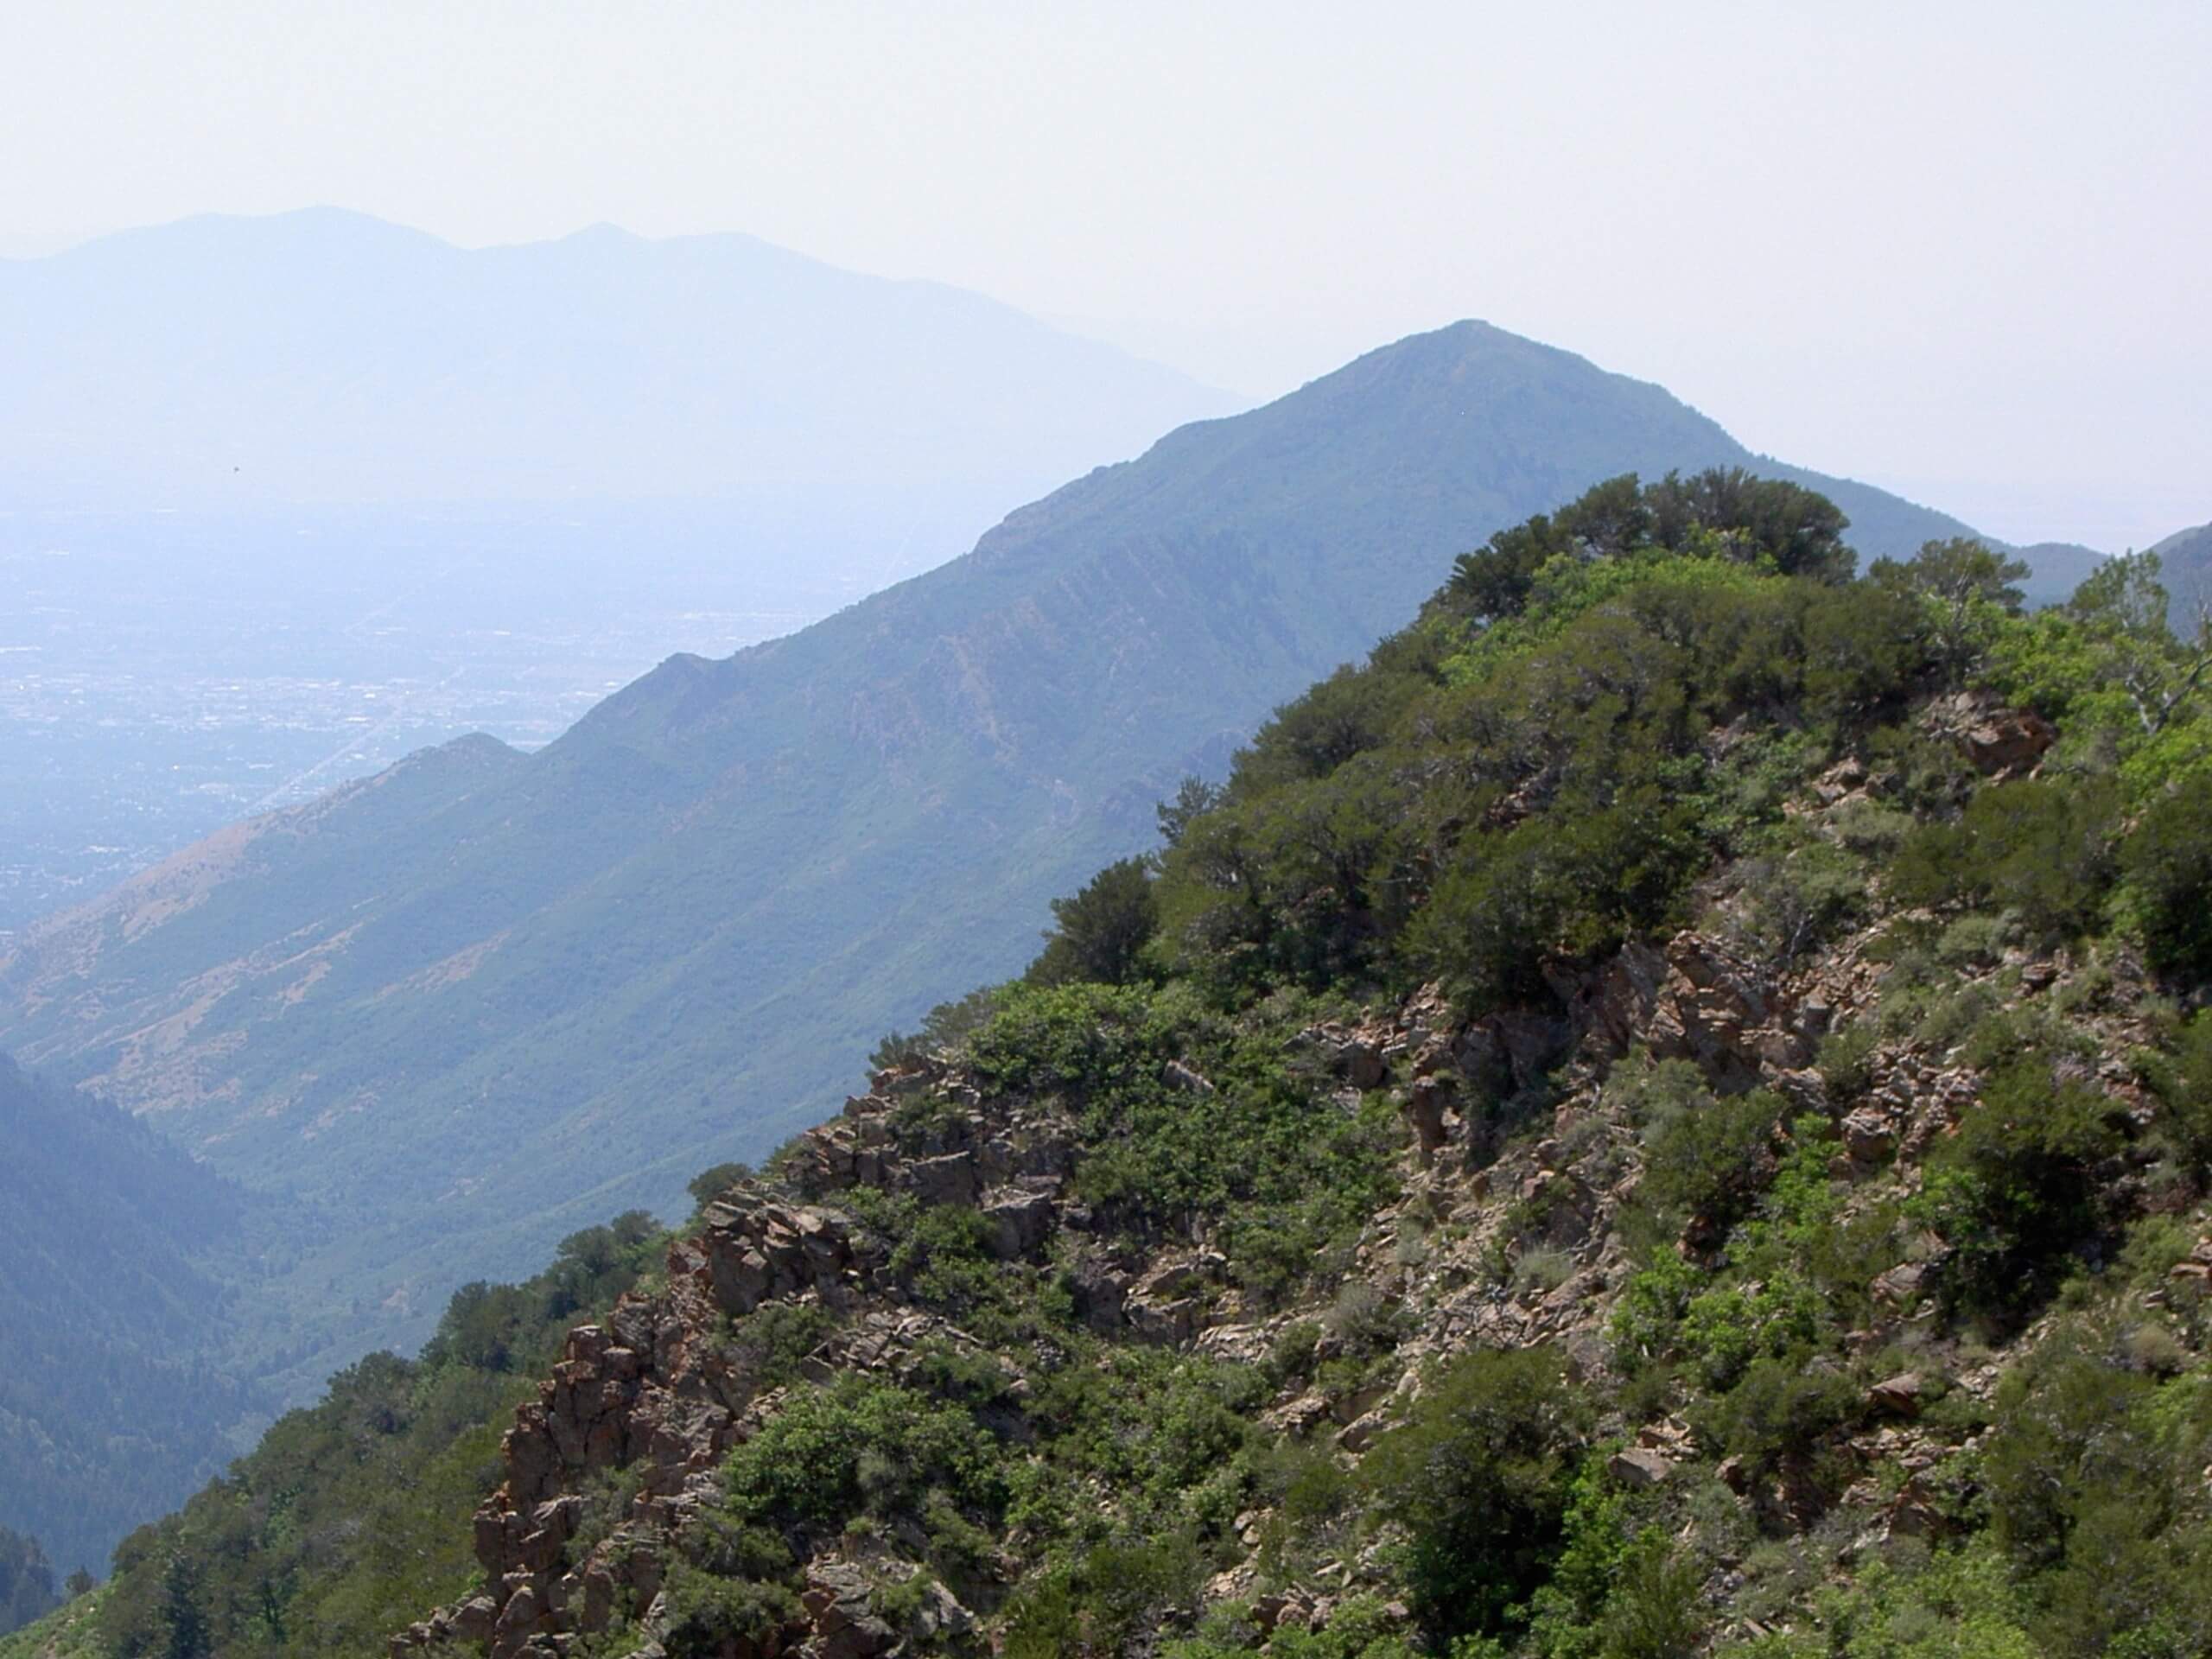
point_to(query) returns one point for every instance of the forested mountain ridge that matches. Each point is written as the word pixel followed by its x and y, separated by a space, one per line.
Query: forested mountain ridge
pixel 1670 1112
pixel 462 1021
pixel 120 1262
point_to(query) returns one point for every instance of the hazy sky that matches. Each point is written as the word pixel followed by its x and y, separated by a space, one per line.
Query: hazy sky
pixel 1964 250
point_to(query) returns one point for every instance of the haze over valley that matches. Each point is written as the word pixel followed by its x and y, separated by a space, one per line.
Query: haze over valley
pixel 858 832
pixel 267 524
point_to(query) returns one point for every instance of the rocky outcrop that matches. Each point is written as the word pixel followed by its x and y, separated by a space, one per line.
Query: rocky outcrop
pixel 1704 999
pixel 2001 741
pixel 1495 1241
pixel 656 1392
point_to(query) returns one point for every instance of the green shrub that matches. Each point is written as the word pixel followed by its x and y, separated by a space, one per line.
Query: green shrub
pixel 2182 1082
pixel 769 1342
pixel 1710 1163
pixel 1781 1408
pixel 1096 1603
pixel 1099 935
pixel 947 1026
pixel 2084 1475
pixel 1571 887
pixel 2015 1190
pixel 2168 865
pixel 859 1446
pixel 1796 903
pixel 1725 1329
pixel 1846 1061
pixel 1646 1318
pixel 2043 849
pixel 1480 1478
pixel 708 1617
pixel 1959 1605
pixel 711 1183
pixel 1656 1607
pixel 716 1543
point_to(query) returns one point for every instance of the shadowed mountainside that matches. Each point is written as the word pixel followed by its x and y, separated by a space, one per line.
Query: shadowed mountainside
pixel 118 1257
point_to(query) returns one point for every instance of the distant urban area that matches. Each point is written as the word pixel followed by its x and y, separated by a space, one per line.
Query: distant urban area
pixel 163 675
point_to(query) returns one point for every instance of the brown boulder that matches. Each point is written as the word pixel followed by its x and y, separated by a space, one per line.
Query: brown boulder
pixel 1640 1466
pixel 1902 1396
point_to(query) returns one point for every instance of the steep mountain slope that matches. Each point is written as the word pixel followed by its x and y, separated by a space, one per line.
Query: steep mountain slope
pixel 2056 570
pixel 117 1258
pixel 27 1587
pixel 323 356
pixel 2186 558
pixel 465 1020
pixel 1660 1117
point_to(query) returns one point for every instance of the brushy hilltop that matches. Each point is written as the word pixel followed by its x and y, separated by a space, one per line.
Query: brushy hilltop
pixel 1670 1112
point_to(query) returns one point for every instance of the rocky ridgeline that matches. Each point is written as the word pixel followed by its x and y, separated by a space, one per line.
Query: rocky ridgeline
pixel 658 1392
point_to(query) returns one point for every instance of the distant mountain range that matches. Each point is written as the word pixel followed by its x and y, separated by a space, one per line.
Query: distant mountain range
pixel 323 356
pixel 467 1006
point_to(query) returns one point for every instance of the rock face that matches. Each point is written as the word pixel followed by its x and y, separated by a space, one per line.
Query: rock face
pixel 1704 999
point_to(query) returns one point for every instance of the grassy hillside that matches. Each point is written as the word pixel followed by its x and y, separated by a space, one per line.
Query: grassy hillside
pixel 1669 1112
pixel 488 1000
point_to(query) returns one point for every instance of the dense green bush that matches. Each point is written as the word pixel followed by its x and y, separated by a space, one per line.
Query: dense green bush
pixel 1097 1602
pixel 2094 1477
pixel 2168 864
pixel 1752 520
pixel 857 1447
pixel 709 1617
pixel 1187 1115
pixel 1711 1162
pixel 945 1026
pixel 2044 849
pixel 1781 1408
pixel 2015 1192
pixel 1100 933
pixel 1503 812
pixel 1961 1604
pixel 1965 590
pixel 1479 1476
pixel 2183 1081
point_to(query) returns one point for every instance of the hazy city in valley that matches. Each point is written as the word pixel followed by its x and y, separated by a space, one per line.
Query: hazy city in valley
pixel 864 832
